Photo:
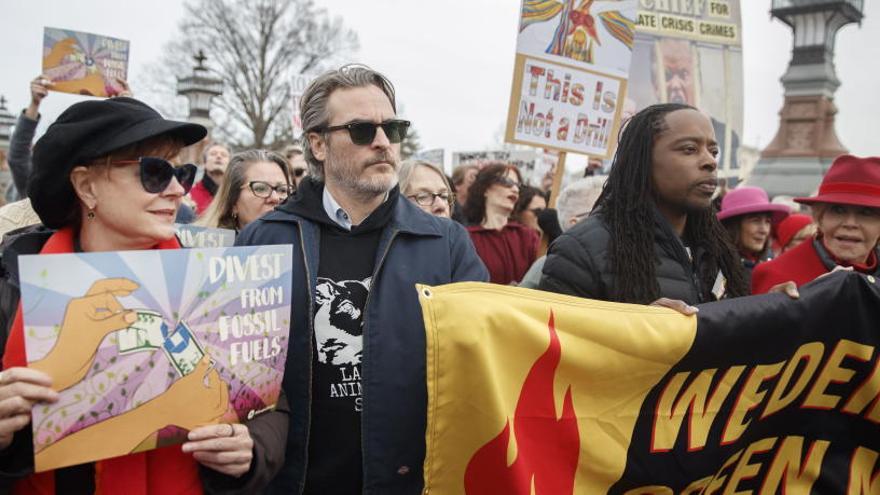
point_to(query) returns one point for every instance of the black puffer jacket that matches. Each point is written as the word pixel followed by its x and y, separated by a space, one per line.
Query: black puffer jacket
pixel 578 265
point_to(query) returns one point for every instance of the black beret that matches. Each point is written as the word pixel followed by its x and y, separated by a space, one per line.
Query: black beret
pixel 86 131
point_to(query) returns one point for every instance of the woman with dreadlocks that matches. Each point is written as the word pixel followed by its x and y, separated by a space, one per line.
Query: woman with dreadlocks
pixel 653 236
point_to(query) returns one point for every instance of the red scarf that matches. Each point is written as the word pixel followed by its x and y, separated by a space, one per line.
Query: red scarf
pixel 161 471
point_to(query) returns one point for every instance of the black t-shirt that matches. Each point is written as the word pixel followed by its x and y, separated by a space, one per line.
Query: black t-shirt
pixel 345 270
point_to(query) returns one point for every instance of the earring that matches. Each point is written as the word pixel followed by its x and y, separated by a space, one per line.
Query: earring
pixel 91 213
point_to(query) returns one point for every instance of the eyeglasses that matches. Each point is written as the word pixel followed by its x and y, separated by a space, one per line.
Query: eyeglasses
pixel 363 133
pixel 299 172
pixel 263 189
pixel 506 181
pixel 157 173
pixel 427 199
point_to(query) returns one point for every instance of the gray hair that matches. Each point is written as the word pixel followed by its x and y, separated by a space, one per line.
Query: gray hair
pixel 578 198
pixel 219 213
pixel 313 107
pixel 404 175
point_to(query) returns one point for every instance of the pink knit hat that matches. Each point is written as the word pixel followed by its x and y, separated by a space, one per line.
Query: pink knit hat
pixel 749 199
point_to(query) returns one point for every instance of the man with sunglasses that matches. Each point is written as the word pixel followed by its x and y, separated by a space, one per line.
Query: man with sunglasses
pixel 356 363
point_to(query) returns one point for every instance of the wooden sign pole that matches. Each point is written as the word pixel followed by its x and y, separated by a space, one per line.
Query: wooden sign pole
pixel 557 180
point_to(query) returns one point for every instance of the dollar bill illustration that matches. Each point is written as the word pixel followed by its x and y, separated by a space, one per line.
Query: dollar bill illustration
pixel 146 333
pixel 183 350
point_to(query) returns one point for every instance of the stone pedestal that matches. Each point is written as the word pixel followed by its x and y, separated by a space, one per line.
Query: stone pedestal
pixel 806 143
pixel 794 163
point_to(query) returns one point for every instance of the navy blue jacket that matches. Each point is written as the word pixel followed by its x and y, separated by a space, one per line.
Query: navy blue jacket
pixel 414 247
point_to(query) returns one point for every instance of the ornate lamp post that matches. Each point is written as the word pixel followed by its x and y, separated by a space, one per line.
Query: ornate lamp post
pixel 200 88
pixel 806 142
pixel 7 120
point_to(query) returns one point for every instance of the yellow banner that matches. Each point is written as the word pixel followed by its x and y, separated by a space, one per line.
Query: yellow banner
pixel 534 389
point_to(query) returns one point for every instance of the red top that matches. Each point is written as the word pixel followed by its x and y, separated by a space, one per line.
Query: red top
pixel 201 197
pixel 166 470
pixel 800 264
pixel 507 253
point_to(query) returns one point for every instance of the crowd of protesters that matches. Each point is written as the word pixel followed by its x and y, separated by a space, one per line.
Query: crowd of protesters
pixel 106 176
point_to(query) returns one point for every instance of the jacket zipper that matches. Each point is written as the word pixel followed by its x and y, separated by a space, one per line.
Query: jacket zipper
pixel 364 344
pixel 311 318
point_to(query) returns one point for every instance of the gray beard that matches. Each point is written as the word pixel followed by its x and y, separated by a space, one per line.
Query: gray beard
pixel 349 179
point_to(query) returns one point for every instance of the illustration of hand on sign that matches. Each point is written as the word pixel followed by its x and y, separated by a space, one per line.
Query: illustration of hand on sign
pixel 87 321
pixel 197 395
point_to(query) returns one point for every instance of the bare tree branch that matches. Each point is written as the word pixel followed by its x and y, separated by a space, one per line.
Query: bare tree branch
pixel 254 47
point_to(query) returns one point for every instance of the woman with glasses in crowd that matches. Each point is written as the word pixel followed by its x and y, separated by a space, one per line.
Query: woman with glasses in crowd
pixel 530 204
pixel 425 185
pixel 101 181
pixel 256 182
pixel 507 248
pixel 847 214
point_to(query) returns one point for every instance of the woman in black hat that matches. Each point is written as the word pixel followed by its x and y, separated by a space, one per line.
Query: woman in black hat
pixel 102 181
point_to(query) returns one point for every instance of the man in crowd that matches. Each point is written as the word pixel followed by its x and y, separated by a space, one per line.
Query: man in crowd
pixel 653 236
pixel 215 160
pixel 462 178
pixel 298 167
pixel 19 157
pixel 355 375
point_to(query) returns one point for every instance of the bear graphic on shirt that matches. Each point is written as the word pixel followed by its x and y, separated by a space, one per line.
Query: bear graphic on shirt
pixel 339 320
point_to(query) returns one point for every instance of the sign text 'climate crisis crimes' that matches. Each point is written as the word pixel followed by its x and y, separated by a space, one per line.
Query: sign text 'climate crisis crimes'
pixel 696 19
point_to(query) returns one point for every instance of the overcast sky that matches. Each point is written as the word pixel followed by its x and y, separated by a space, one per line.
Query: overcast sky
pixel 452 67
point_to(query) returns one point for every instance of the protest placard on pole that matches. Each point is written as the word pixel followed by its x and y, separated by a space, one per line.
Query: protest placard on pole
pixel 298 85
pixel 143 346
pixel 84 63
pixel 691 52
pixel 570 74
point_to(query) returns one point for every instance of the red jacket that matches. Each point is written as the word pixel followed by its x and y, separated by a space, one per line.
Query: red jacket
pixel 507 253
pixel 801 264
pixel 201 196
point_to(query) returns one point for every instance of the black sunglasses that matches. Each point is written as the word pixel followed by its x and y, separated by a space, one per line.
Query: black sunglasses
pixel 363 133
pixel 157 173
pixel 506 181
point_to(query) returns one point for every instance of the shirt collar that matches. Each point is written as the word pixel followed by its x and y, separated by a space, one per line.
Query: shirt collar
pixel 335 212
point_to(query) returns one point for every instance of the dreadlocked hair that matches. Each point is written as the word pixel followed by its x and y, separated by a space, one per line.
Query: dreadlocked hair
pixel 627 209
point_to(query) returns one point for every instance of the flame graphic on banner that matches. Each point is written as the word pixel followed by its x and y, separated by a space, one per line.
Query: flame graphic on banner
pixel 547 447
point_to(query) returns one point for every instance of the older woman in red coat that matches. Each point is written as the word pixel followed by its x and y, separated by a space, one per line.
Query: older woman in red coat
pixel 847 213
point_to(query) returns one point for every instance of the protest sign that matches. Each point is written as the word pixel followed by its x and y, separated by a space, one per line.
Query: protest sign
pixel 298 85
pixel 691 52
pixel 193 236
pixel 434 156
pixel 84 63
pixel 146 345
pixel 572 62
pixel 530 392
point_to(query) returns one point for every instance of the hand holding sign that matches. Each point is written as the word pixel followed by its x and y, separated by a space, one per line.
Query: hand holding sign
pixel 20 389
